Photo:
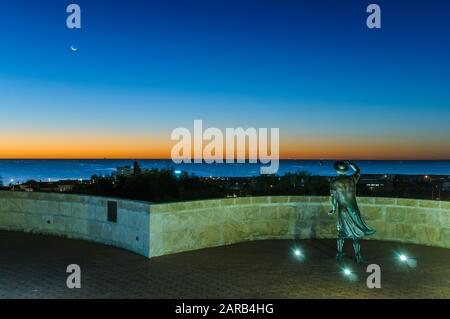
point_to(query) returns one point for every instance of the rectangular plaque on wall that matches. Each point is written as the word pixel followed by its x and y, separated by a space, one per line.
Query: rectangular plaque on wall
pixel 112 211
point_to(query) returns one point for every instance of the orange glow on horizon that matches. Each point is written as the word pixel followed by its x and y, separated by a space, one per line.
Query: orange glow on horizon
pixel 51 146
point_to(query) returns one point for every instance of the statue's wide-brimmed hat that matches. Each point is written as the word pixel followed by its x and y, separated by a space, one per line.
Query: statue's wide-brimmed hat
pixel 340 167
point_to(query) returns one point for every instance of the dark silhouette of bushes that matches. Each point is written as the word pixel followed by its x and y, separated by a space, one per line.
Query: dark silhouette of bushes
pixel 163 185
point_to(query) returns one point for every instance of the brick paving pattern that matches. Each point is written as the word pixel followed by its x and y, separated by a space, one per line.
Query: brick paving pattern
pixel 34 266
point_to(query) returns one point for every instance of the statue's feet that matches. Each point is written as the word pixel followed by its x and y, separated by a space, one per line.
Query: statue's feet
pixel 359 259
pixel 339 256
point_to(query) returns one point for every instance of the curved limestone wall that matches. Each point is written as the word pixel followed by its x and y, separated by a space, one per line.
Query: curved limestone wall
pixel 187 226
pixel 81 217
pixel 160 229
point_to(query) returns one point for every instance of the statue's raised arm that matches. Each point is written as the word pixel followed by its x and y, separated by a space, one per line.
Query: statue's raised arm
pixel 357 173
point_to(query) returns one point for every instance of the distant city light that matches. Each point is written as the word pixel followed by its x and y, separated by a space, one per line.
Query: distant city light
pixel 297 252
pixel 177 172
pixel 403 258
pixel 347 272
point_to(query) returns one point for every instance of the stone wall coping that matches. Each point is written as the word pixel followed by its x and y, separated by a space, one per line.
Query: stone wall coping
pixel 63 197
pixel 291 200
pixel 192 205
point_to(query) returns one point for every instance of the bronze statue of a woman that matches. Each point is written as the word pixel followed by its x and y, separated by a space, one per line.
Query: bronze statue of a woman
pixel 350 224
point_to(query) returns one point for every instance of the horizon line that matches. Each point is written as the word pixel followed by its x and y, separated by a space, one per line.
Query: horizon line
pixel 224 160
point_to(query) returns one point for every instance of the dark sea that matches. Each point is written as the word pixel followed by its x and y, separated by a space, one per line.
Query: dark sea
pixel 45 170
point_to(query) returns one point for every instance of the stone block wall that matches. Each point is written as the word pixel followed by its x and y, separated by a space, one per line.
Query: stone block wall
pixel 81 217
pixel 160 229
pixel 193 225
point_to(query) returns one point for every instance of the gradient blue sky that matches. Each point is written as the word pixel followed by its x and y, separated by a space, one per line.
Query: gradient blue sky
pixel 312 68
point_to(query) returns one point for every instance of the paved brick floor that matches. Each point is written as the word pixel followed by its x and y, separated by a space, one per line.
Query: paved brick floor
pixel 33 266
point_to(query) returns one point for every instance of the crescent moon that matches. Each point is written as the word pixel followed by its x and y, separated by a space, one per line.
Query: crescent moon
pixel 73 48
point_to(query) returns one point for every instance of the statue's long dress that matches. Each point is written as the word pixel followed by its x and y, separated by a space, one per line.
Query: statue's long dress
pixel 350 224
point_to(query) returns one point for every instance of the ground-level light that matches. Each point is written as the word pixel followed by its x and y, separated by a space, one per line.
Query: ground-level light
pixel 298 254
